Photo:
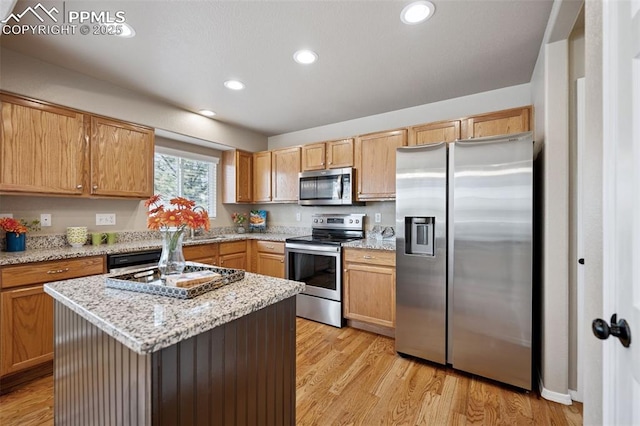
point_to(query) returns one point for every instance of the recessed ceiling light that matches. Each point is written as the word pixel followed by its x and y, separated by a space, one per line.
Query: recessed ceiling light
pixel 305 57
pixel 207 112
pixel 127 31
pixel 416 12
pixel 234 85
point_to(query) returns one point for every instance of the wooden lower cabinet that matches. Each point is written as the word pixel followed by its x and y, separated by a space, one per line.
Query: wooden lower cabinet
pixel 233 255
pixel 270 258
pixel 370 287
pixel 203 253
pixel 27 329
pixel 26 311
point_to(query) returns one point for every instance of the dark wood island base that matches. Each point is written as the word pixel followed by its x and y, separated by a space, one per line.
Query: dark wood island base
pixel 241 372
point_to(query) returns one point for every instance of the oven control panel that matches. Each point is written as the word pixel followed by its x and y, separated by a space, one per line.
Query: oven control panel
pixel 353 221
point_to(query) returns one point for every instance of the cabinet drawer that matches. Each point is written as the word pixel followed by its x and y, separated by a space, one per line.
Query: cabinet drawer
pixel 374 257
pixel 233 247
pixel 44 272
pixel 270 247
pixel 200 251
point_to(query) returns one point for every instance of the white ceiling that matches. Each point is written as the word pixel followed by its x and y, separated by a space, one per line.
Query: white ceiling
pixel 369 61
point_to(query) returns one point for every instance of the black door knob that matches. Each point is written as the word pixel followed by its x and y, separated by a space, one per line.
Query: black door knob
pixel 581 261
pixel 619 329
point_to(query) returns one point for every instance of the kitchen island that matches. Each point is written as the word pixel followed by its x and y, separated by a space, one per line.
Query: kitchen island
pixel 227 356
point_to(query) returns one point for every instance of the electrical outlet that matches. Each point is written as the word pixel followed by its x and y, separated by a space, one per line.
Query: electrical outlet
pixel 6 214
pixel 105 219
pixel 298 217
pixel 378 218
pixel 45 219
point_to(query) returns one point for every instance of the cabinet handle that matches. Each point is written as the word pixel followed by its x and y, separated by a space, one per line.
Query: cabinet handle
pixel 95 186
pixel 322 164
pixel 78 186
pixel 57 271
pixel 368 257
pixel 282 261
pixel 270 247
pixel 330 162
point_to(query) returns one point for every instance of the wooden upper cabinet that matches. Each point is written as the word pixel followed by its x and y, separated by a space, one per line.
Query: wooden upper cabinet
pixel 285 166
pixel 313 157
pixel 237 176
pixel 340 153
pixel 43 147
pixel 327 155
pixel 497 123
pixel 375 163
pixel 121 159
pixel 262 176
pixel 442 131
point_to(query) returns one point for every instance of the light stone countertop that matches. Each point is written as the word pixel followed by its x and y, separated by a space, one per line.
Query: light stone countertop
pixel 59 253
pixel 388 244
pixel 146 323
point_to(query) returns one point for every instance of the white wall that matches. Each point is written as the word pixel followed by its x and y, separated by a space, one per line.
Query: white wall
pixel 592 393
pixel 508 97
pixel 27 76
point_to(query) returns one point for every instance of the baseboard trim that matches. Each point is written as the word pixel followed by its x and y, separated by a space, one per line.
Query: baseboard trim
pixel 576 395
pixel 560 398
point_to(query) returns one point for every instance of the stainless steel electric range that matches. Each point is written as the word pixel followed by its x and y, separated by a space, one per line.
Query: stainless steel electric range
pixel 316 260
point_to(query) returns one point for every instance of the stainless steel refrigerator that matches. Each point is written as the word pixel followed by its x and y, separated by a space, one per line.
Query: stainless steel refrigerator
pixel 464 216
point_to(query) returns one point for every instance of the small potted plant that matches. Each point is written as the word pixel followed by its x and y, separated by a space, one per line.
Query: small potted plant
pixel 239 219
pixel 16 232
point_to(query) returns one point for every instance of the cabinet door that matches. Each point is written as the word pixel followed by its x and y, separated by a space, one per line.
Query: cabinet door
pixel 443 131
pixel 244 178
pixel 237 176
pixel 313 157
pixel 121 159
pixel 203 253
pixel 375 156
pixel 497 123
pixel 370 294
pixel 340 154
pixel 262 176
pixel 43 148
pixel 285 166
pixel 27 329
pixel 234 260
pixel 270 264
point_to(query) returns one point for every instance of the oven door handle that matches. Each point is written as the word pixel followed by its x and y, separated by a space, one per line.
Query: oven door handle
pixel 306 249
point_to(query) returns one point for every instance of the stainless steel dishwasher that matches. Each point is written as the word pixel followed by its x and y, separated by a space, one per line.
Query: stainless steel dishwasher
pixel 122 262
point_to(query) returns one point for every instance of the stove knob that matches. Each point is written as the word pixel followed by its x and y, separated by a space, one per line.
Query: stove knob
pixel 350 220
pixel 315 220
pixel 321 220
pixel 357 220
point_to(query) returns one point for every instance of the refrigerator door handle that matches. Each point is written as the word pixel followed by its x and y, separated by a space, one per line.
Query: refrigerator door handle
pixel 450 241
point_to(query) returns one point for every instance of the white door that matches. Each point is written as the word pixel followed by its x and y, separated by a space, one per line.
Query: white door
pixel 621 207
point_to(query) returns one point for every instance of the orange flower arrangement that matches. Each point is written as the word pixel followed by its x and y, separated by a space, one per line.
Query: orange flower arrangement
pixel 9 224
pixel 183 215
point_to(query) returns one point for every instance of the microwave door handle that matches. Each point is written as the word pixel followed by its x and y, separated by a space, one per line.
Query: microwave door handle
pixel 340 187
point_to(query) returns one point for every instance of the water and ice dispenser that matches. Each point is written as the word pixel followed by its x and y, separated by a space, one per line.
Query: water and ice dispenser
pixel 419 235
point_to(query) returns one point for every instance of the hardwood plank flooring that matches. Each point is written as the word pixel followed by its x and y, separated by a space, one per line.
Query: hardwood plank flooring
pixel 352 377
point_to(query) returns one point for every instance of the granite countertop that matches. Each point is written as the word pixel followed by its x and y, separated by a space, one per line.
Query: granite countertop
pixel 146 323
pixel 388 244
pixel 59 253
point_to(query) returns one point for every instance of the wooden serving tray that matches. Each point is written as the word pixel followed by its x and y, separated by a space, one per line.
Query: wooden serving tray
pixel 148 281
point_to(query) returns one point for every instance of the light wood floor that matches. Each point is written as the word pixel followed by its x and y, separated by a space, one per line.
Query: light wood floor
pixel 346 376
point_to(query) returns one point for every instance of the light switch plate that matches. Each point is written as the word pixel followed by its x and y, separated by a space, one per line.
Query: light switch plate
pixel 378 218
pixel 298 216
pixel 105 219
pixel 6 214
pixel 45 219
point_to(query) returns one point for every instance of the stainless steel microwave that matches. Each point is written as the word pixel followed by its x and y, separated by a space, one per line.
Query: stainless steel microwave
pixel 327 187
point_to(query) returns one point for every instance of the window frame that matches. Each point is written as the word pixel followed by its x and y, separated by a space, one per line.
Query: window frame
pixel 213 190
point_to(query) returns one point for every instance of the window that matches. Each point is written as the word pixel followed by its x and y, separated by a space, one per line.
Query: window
pixel 183 174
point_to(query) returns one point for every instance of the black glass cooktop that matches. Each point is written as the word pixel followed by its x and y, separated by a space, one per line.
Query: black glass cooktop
pixel 324 239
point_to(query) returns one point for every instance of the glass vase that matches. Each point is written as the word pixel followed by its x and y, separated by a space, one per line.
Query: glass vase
pixel 171 259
